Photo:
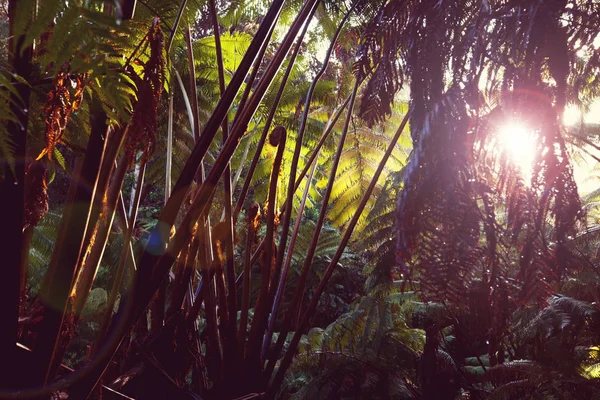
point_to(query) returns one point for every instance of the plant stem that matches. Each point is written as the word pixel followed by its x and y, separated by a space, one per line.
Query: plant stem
pixel 65 258
pixel 287 213
pixel 290 251
pixel 263 305
pixel 252 215
pixel 306 315
pixel 267 126
pixel 301 283
pixel 229 267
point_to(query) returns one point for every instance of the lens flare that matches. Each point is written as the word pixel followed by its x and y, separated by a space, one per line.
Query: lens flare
pixel 518 142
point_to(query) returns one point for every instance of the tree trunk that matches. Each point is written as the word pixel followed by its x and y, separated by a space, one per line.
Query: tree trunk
pixel 12 208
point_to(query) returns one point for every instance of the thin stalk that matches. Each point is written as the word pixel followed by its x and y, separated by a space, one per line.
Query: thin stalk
pixel 238 173
pixel 267 126
pixel 222 310
pixel 255 68
pixel 124 225
pixel 175 26
pixel 186 100
pixel 203 223
pixel 136 175
pixel 197 302
pixel 262 305
pixel 91 261
pixel 169 163
pixel 290 251
pixel 253 219
pixel 229 267
pixel 317 148
pixel 301 283
pixel 287 213
pixel 125 255
pixel 182 279
pixel 215 360
pixel 287 359
pixel 106 171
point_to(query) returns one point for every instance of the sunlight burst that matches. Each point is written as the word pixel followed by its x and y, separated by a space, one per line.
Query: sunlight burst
pixel 519 144
pixel 572 115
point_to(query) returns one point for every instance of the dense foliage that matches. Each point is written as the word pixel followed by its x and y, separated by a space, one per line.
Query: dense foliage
pixel 302 199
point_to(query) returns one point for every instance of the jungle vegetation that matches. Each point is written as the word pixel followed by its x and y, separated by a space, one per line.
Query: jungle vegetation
pixel 301 199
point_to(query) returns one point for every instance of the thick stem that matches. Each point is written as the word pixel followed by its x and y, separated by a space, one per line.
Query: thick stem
pixel 281 287
pixel 263 305
pixel 65 259
pixel 12 200
pixel 287 359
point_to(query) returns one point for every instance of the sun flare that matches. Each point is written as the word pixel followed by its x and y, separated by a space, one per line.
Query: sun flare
pixel 518 142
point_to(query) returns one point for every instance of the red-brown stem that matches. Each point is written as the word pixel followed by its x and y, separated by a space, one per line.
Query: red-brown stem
pixel 108 165
pixel 252 216
pixel 183 273
pixel 312 157
pixel 252 78
pixel 301 283
pixel 269 120
pixel 281 286
pixel 287 213
pixel 287 359
pixel 229 267
pixel 262 307
pixel 215 362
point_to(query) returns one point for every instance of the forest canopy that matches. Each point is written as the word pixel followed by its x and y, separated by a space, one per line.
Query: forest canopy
pixel 245 199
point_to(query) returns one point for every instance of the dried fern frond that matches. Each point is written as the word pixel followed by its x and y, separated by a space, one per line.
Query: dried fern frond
pixel 64 99
pixel 143 128
pixel 36 194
